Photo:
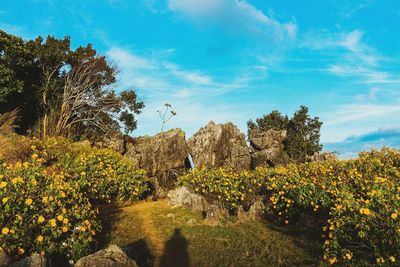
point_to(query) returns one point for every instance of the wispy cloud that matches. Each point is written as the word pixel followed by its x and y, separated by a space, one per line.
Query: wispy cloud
pixel 234 16
pixel 195 95
pixel 349 147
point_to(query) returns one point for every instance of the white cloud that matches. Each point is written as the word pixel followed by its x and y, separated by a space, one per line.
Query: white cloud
pixel 194 95
pixel 355 59
pixel 235 16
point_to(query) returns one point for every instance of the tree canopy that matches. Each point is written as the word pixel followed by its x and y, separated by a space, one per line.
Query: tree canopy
pixel 303 132
pixel 62 91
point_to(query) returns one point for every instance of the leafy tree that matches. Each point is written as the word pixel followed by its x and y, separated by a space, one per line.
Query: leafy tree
pixel 19 80
pixel 303 133
pixel 275 120
pixel 50 58
pixel 70 92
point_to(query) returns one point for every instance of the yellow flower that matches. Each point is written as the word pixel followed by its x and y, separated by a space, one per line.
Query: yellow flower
pixel 28 201
pixel 5 199
pixel 83 173
pixel 5 231
pixel 380 260
pixel 60 217
pixel 348 256
pixel 3 184
pixel 21 251
pixel 34 156
pixel 53 222
pixel 33 182
pixel 65 229
pixel 65 221
pixel 392 259
pixel 45 199
pixel 39 238
pixel 41 219
pixel 365 211
pixel 394 216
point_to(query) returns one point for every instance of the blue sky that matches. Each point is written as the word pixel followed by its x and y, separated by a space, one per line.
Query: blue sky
pixel 229 60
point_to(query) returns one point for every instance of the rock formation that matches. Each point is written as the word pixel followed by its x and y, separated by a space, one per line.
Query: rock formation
pixel 219 145
pixel 323 156
pixel 113 256
pixel 182 197
pixel 255 212
pixel 35 260
pixel 163 156
pixel 265 146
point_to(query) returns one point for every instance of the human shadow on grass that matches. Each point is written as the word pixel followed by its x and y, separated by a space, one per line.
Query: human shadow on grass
pixel 175 251
pixel 140 252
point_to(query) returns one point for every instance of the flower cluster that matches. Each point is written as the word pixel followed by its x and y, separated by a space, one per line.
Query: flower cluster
pixel 356 203
pixel 47 201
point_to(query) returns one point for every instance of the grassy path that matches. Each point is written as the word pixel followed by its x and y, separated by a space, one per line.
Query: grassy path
pixel 143 211
pixel 156 234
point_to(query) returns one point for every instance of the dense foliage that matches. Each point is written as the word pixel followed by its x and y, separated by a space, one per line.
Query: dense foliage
pixel 355 203
pixel 61 91
pixel 303 133
pixel 47 200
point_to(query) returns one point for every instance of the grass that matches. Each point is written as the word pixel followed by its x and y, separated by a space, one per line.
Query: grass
pixel 155 234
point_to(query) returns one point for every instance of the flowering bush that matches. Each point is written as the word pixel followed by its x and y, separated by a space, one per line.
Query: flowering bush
pixel 102 174
pixel 43 212
pixel 46 200
pixel 357 200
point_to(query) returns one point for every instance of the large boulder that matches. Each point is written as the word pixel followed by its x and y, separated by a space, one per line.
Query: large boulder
pixel 35 260
pixel 323 156
pixel 164 156
pixel 255 212
pixel 265 146
pixel 113 256
pixel 219 145
pixel 182 197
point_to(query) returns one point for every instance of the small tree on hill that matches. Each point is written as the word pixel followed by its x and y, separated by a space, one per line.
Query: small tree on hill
pixel 166 114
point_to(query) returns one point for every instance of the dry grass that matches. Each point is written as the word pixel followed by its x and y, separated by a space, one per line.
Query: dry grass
pixel 8 121
pixel 14 147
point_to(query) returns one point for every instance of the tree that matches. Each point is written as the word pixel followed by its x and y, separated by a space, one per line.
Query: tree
pixel 67 92
pixel 303 133
pixel 275 120
pixel 50 58
pixel 19 80
pixel 166 114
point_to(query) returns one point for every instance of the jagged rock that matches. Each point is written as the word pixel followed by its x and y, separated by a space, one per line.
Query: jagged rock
pixel 323 156
pixel 182 197
pixel 113 256
pixel 262 140
pixel 4 258
pixel 163 156
pixel 255 212
pixel 35 260
pixel 219 145
pixel 215 213
pixel 115 141
pixel 265 146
